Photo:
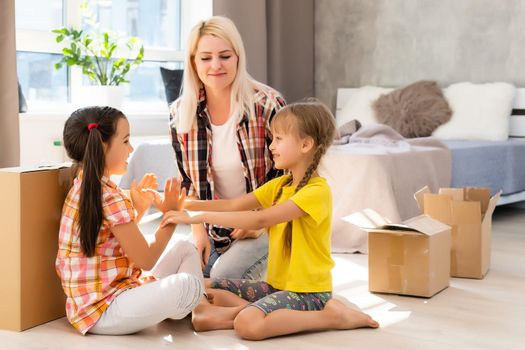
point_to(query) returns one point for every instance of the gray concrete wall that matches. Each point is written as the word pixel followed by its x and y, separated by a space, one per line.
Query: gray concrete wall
pixel 396 42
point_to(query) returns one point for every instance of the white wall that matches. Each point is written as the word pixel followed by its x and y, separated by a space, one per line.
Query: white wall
pixel 39 131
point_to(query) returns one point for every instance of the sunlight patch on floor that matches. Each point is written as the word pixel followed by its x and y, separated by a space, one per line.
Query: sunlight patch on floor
pixel 346 271
pixel 351 284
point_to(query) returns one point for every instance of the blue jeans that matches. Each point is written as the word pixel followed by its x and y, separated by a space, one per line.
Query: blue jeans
pixel 246 259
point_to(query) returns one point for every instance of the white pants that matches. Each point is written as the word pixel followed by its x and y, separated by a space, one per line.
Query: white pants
pixel 176 293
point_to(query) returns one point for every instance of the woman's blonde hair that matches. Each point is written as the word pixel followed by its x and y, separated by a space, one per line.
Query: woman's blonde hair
pixel 241 99
pixel 310 118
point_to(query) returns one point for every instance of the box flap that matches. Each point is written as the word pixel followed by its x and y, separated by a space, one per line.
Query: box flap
pixel 491 206
pixel 370 221
pixel 418 196
pixel 457 194
pixel 28 169
pixel 478 194
pixel 425 224
pixel 366 219
pixel 438 206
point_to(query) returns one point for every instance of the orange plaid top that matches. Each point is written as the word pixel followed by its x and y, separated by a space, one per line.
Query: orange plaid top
pixel 91 283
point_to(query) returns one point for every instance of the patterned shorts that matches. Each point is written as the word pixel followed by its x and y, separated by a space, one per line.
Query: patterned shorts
pixel 268 299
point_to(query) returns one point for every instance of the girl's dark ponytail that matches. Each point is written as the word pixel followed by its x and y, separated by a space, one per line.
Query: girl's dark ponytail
pixel 90 205
pixel 85 133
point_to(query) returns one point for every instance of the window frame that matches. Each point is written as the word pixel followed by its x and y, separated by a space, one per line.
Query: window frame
pixel 44 42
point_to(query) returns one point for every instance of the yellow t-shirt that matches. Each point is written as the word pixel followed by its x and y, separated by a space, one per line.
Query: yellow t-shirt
pixel 308 268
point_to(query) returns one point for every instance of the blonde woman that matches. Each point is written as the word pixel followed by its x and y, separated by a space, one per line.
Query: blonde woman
pixel 220 134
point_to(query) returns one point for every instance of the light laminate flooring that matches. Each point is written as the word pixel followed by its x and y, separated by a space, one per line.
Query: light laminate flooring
pixel 470 314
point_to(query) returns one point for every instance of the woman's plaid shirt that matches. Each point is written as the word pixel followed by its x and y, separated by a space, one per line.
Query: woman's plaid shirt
pixel 194 153
pixel 91 283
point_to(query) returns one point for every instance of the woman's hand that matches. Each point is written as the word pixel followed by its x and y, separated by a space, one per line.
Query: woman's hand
pixel 143 194
pixel 240 233
pixel 173 198
pixel 202 242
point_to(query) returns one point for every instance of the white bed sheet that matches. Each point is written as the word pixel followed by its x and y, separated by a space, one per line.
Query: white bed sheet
pixel 382 178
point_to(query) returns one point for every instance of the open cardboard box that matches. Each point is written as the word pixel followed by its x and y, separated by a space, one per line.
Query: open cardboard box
pixel 30 209
pixel 468 211
pixel 411 258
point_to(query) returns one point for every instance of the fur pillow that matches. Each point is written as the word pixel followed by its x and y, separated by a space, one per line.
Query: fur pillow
pixel 415 110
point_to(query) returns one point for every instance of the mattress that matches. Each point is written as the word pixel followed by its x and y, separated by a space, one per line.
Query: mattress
pixel 499 165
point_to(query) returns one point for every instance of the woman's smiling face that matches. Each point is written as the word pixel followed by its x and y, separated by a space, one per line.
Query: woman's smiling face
pixel 215 62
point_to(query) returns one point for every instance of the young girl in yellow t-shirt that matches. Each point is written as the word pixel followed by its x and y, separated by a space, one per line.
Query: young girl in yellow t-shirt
pixel 297 210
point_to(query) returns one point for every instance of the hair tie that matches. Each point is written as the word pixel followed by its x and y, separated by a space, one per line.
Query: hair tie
pixel 92 125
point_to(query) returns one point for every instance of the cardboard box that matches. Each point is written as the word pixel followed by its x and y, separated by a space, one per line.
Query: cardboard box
pixel 469 212
pixel 411 258
pixel 30 208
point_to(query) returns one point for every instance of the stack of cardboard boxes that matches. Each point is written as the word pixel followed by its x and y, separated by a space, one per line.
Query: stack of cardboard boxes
pixel 451 238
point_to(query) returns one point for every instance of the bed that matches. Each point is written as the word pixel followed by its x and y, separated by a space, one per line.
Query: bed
pixel 382 176
pixel 498 165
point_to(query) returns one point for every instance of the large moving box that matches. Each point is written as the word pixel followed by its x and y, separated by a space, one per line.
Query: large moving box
pixel 31 202
pixel 412 258
pixel 469 212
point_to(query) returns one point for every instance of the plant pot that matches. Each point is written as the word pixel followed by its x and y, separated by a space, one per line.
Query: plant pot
pixel 99 95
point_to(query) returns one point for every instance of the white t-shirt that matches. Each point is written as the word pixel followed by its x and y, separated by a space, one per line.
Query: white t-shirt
pixel 228 174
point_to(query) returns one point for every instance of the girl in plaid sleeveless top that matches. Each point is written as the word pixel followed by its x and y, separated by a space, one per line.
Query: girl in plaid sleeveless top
pixel 102 252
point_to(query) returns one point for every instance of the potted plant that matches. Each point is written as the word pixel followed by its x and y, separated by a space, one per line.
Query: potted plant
pixel 104 58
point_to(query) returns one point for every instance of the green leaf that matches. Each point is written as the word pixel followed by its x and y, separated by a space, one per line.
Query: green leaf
pixel 93 50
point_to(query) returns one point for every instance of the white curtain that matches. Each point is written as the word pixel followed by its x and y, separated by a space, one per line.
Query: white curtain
pixel 9 127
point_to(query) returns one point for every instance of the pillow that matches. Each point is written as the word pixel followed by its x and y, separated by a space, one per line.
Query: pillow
pixel 480 112
pixel 359 106
pixel 415 110
pixel 172 79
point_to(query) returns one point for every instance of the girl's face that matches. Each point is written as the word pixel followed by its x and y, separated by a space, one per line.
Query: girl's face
pixel 215 62
pixel 287 149
pixel 118 149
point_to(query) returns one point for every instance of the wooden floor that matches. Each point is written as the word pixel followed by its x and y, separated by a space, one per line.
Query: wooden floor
pixel 470 314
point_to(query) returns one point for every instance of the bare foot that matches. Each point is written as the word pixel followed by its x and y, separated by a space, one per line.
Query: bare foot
pixel 347 318
pixel 209 317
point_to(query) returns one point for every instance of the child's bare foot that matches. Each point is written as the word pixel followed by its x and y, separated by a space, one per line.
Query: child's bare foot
pixel 209 317
pixel 347 318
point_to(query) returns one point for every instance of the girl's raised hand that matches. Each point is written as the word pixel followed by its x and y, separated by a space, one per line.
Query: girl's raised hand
pixel 173 198
pixel 143 193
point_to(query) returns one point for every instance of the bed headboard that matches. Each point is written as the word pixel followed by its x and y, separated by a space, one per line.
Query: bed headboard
pixel 517 120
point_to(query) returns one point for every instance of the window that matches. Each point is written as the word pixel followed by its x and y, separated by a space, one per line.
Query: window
pixel 162 25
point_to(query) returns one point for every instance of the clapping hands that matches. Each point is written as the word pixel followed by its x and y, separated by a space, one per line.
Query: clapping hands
pixel 143 194
pixel 173 198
